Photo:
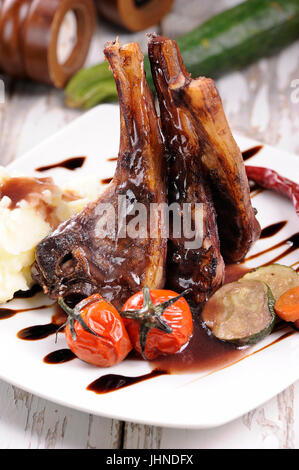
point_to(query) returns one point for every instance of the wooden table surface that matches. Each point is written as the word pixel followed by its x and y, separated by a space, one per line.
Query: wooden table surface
pixel 260 102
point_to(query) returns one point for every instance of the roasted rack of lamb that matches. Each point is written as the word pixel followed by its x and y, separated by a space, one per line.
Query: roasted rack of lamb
pixel 77 259
pixel 190 149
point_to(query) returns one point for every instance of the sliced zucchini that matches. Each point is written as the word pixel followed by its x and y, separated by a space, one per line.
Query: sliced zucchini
pixel 240 312
pixel 278 277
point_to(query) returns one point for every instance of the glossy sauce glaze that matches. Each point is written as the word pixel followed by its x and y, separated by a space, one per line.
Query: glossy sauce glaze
pixel 213 359
pixel 69 164
pixel 255 189
pixel 106 180
pixel 277 340
pixel 204 352
pixel 292 242
pixel 251 152
pixel 295 268
pixel 27 294
pixel 36 332
pixel 111 382
pixel 24 188
pixel 59 357
pixel 272 229
pixel 233 272
pixel 11 312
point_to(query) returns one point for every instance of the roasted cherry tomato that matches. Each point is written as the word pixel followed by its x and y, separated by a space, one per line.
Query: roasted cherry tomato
pixel 95 332
pixel 159 322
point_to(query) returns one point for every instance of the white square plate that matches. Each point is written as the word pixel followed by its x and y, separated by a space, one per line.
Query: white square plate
pixel 189 400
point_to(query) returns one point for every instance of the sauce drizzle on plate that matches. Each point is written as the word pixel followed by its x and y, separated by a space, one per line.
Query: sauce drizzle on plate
pixel 292 242
pixel 27 294
pixel 111 382
pixel 251 152
pixel 69 164
pixel 59 357
pixel 11 312
pixel 106 180
pixel 36 332
pixel 272 229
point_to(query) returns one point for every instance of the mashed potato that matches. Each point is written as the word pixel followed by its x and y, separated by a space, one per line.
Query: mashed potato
pixel 24 224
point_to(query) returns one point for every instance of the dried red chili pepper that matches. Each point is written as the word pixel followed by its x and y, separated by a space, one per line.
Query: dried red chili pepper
pixel 270 179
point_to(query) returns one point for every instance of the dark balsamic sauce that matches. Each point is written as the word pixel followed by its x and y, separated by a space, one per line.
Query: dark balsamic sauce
pixel 36 332
pixel 293 266
pixel 277 340
pixel 59 357
pixel 59 317
pixel 69 164
pixel 214 356
pixel 292 243
pixel 251 152
pixel 255 189
pixel 11 312
pixel 204 352
pixel 27 294
pixel 111 382
pixel 233 272
pixel 272 229
pixel 252 195
pixel 106 180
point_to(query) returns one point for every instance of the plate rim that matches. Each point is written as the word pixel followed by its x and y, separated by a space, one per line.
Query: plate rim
pixel 109 414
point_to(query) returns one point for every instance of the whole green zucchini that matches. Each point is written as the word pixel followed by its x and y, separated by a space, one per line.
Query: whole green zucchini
pixel 228 41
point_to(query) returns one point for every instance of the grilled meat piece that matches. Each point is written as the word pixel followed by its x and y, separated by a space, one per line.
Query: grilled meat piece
pixel 221 157
pixel 86 254
pixel 198 266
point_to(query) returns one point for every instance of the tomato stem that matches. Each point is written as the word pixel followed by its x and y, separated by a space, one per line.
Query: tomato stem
pixel 74 314
pixel 150 316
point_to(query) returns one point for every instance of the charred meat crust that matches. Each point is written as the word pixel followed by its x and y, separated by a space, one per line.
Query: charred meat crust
pixel 85 255
pixel 222 162
pixel 201 268
pixel 224 168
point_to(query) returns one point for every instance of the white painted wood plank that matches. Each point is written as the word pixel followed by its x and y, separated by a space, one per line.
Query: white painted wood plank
pixel 271 426
pixel 137 436
pixel 29 422
pixel 108 32
pixel 31 114
pixel 258 101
